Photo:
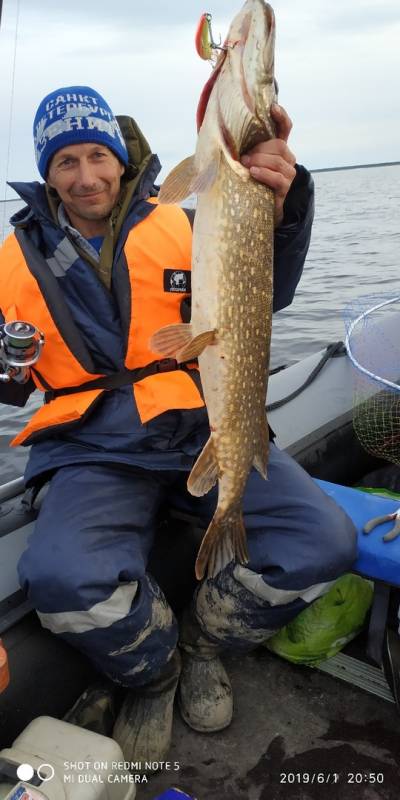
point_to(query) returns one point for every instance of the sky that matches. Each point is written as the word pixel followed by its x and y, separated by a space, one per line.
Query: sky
pixel 337 65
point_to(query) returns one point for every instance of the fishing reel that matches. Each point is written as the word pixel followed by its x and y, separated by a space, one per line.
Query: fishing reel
pixel 20 347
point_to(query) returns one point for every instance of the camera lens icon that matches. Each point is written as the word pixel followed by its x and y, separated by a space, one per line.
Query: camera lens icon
pixel 25 772
pixel 45 772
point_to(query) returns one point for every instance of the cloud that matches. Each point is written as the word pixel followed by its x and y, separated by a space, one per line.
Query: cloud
pixel 336 66
pixel 128 15
pixel 319 18
pixel 147 82
pixel 367 15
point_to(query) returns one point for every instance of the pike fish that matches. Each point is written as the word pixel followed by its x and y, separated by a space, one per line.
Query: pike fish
pixel 232 277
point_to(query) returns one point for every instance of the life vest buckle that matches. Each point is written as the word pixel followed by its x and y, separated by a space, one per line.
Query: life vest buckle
pixel 167 365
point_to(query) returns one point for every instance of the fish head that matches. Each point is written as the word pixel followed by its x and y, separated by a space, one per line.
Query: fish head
pixel 243 87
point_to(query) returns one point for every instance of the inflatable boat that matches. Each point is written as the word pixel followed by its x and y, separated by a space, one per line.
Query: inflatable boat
pixel 310 409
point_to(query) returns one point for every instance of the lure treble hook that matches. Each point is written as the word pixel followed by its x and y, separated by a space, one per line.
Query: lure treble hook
pixel 213 43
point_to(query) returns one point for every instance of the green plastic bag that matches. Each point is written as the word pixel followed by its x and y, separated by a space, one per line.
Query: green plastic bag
pixel 325 627
pixel 381 492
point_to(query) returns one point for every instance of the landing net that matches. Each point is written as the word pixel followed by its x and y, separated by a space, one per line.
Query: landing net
pixel 373 345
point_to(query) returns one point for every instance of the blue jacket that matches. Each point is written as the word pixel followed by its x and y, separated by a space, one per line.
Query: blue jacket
pixel 113 431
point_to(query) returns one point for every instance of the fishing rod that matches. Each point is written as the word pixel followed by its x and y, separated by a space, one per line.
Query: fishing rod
pixel 8 155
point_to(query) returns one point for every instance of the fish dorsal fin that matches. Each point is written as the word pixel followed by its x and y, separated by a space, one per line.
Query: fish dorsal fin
pixel 187 178
pixel 204 474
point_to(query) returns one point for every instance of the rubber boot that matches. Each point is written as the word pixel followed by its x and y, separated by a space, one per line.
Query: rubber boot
pixel 205 693
pixel 95 708
pixel 144 724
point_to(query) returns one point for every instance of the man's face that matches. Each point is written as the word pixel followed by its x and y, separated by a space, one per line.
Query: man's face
pixel 87 179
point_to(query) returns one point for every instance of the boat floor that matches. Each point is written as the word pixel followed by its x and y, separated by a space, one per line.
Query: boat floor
pixel 292 728
pixel 290 723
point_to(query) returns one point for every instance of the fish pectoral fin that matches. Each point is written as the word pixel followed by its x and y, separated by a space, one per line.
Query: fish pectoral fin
pixel 171 339
pixel 195 347
pixel 205 178
pixel 204 474
pixel 186 178
pixel 260 459
pixel 177 184
pixel 224 541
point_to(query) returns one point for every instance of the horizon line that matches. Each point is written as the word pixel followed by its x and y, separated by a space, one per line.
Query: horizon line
pixel 357 166
pixel 318 169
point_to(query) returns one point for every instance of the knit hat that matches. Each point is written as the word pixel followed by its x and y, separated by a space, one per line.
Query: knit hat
pixel 75 115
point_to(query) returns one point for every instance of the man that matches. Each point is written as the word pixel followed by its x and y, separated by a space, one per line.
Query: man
pixel 119 431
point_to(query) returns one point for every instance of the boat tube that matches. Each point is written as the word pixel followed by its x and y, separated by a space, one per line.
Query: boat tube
pixel 310 407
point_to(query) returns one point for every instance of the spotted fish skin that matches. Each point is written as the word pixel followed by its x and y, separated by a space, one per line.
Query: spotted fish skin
pixel 232 280
pixel 232 288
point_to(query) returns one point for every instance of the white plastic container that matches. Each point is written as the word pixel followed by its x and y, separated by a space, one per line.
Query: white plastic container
pixel 72 763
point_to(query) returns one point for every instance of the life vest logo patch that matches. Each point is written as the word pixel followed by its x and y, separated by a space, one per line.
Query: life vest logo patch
pixel 177 280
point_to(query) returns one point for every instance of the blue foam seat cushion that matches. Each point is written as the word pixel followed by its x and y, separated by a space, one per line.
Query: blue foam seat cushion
pixel 376 558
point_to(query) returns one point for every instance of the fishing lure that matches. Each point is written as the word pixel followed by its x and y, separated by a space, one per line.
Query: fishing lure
pixel 204 38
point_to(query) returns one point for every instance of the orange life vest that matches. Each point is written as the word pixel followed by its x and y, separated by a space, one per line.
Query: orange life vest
pixel 161 240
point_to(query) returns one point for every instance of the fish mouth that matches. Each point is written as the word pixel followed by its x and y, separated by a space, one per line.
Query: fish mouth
pixel 270 23
pixel 207 89
pixel 270 16
pixel 257 81
pixel 255 22
pixel 250 22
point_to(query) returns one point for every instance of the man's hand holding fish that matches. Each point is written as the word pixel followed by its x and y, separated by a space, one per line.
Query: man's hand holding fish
pixel 272 162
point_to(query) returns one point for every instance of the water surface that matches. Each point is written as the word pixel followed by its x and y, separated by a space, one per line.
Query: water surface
pixel 354 252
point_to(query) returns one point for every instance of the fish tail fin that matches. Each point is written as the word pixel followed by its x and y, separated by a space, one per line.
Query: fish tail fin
pixel 224 541
pixel 260 459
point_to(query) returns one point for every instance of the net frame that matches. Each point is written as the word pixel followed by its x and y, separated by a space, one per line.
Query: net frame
pixel 376 400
